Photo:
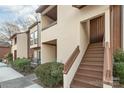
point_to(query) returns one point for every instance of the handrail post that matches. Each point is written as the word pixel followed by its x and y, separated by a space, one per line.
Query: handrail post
pixel 107 71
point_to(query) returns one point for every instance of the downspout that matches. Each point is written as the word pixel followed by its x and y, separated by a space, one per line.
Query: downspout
pixel 122 27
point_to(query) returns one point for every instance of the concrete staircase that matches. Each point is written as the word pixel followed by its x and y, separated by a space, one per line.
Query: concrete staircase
pixel 90 70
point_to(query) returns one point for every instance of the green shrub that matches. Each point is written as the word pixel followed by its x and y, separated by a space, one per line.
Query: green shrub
pixel 22 64
pixel 50 74
pixel 10 58
pixel 120 71
pixel 118 68
pixel 119 56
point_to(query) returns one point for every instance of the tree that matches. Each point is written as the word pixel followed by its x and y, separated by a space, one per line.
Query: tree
pixel 25 22
pixel 8 29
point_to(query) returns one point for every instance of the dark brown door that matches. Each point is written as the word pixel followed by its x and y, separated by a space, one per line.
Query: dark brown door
pixel 97 29
pixel 15 54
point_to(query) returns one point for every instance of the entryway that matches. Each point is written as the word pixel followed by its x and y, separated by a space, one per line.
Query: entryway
pixel 90 71
pixel 97 27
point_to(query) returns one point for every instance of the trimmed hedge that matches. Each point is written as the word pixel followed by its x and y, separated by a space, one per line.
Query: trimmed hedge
pixel 22 65
pixel 50 74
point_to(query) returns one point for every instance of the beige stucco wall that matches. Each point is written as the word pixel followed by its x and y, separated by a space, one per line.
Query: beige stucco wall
pixel 46 21
pixel 49 53
pixel 22 46
pixel 66 31
pixel 69 33
pixel 13 48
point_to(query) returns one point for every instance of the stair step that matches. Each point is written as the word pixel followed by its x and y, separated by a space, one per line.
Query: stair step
pixel 88 77
pixel 91 68
pixel 86 84
pixel 97 67
pixel 97 46
pixel 93 59
pixel 95 49
pixel 90 72
pixel 92 63
pixel 94 55
pixel 95 52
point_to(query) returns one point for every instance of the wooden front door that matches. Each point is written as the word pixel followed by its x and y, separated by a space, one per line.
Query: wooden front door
pixel 97 27
pixel 15 54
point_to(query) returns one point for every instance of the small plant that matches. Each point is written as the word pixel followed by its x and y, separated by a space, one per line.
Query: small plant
pixel 9 57
pixel 22 65
pixel 118 69
pixel 50 74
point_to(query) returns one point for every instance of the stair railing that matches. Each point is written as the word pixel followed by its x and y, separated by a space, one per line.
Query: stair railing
pixel 71 60
pixel 107 69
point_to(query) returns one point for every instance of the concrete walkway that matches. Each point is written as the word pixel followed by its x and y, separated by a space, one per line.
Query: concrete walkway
pixel 7 73
pixel 2 64
pixel 9 78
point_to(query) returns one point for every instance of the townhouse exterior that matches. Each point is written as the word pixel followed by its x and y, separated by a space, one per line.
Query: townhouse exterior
pixel 83 37
pixel 20 45
pixel 27 44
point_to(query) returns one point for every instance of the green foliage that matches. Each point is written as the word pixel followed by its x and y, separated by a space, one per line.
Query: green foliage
pixel 50 74
pixel 10 58
pixel 120 71
pixel 22 64
pixel 118 68
pixel 119 56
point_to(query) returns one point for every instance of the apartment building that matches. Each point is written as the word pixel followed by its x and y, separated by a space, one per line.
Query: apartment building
pixel 19 47
pixel 83 38
pixel 35 42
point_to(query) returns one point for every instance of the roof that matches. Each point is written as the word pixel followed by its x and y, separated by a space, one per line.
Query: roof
pixel 14 35
pixel 41 8
pixel 4 44
pixel 34 24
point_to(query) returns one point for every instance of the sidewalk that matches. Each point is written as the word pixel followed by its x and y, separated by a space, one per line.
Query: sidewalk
pixel 7 73
pixel 9 78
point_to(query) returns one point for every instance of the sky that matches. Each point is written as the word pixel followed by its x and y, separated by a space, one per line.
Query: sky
pixel 12 13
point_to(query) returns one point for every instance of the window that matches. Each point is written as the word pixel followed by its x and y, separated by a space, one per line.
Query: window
pixel 15 40
pixel 33 38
